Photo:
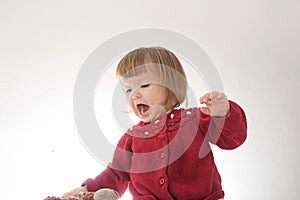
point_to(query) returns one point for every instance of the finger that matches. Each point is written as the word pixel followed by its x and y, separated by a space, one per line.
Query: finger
pixel 221 96
pixel 204 110
pixel 213 95
pixel 205 98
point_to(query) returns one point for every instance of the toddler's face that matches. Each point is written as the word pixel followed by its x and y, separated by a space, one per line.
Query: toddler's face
pixel 145 95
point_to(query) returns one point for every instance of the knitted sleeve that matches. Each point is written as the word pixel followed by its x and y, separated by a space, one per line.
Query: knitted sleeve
pixel 116 175
pixel 226 132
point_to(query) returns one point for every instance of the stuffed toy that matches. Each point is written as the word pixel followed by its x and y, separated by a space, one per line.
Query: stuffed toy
pixel 102 194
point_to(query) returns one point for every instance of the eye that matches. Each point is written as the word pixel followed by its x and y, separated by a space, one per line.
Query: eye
pixel 128 90
pixel 145 85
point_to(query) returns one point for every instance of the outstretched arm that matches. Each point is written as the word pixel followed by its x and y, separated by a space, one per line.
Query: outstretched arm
pixel 116 175
pixel 222 121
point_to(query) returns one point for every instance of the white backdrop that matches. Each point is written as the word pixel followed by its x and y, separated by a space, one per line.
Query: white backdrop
pixel 43 44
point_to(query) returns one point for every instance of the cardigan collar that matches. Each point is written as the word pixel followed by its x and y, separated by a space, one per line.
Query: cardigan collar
pixel 165 122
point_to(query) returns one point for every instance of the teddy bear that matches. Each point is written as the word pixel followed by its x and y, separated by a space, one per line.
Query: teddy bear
pixel 102 194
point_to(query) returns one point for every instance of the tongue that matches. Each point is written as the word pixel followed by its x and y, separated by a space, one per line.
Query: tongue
pixel 143 108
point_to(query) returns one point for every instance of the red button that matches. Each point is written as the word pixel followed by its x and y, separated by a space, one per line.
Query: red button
pixel 162 181
pixel 172 123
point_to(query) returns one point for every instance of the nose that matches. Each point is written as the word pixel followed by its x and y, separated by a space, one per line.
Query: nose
pixel 136 94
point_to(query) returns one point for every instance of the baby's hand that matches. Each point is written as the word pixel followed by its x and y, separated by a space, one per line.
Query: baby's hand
pixel 217 104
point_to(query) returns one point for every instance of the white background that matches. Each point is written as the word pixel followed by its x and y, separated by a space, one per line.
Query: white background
pixel 43 44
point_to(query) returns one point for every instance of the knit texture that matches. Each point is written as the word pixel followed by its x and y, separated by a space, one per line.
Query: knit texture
pixel 81 196
pixel 171 157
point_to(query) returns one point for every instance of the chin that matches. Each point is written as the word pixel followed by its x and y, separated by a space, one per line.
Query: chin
pixel 146 120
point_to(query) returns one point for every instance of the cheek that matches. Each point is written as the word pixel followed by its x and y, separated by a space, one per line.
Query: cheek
pixel 132 107
pixel 130 103
pixel 163 93
pixel 160 96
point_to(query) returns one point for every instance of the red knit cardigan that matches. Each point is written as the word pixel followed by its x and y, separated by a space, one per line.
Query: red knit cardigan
pixel 171 158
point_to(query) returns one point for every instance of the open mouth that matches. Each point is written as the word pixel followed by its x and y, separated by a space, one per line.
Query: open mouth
pixel 142 108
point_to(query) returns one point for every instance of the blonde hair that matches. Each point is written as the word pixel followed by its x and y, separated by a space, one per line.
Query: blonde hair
pixel 162 62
